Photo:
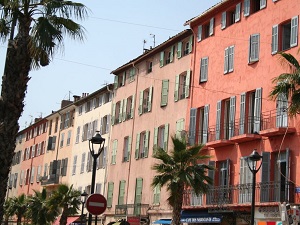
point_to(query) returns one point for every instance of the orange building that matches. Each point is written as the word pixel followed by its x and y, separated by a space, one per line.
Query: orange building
pixel 232 114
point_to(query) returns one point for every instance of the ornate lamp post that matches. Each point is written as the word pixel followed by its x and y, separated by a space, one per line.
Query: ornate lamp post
pixel 254 158
pixel 83 200
pixel 96 140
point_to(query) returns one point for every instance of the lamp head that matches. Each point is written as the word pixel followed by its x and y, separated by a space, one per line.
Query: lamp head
pixel 97 139
pixel 255 156
pixel 84 196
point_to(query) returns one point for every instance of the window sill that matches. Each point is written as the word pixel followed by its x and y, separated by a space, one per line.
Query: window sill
pixel 253 62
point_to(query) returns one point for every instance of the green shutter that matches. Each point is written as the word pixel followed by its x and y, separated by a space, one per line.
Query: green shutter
pixel 125 109
pixel 141 103
pixel 176 93
pixel 155 139
pixel 150 98
pixel 147 144
pixel 123 78
pixel 121 192
pixel 187 84
pixel 161 60
pixel 191 44
pixel 116 82
pixel 110 194
pixel 179 48
pixel 166 137
pixel 129 147
pixel 121 111
pixel 132 107
pixel 164 93
pixel 113 114
pixel 178 129
pixel 138 191
pixel 137 146
pixel 172 54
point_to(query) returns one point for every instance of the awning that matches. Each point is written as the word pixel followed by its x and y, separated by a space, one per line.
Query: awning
pixel 70 219
pixel 192 216
pixel 162 221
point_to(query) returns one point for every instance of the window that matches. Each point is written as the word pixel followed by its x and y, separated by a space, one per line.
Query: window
pixel 80 109
pixel 32 175
pixel 164 93
pixel 254 48
pixel 142 145
pixel 56 125
pixel 85 131
pixel 182 86
pixel 120 80
pixel 285 35
pixel 203 69
pixel 198 129
pixel 245 178
pixel 93 129
pixel 250 112
pixel 161 135
pixel 188 46
pixel 121 192
pixel 169 55
pixel 38 175
pixel 114 152
pixel 69 137
pixel 98 188
pixel 62 137
pixel 89 163
pixel 15 180
pixel 117 112
pixel 180 128
pixel 51 143
pixel 126 148
pixel 128 108
pixel 206 30
pixel 82 162
pixel 96 102
pixel 282 111
pixel 101 163
pixel 32 151
pixel 156 195
pixel 231 16
pixel 105 124
pixel 74 165
pixel 145 100
pixel 21 177
pixel 38 149
pixel 229 59
pixel 138 196
pixel 252 6
pixel 131 74
pixel 149 66
pixel 77 135
pixel 110 191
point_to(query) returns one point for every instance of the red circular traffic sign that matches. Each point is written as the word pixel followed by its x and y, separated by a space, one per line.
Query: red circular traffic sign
pixel 96 204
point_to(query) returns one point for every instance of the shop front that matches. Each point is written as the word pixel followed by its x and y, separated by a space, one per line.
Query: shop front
pixel 200 216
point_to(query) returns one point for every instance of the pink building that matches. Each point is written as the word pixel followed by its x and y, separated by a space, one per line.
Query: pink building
pixel 232 114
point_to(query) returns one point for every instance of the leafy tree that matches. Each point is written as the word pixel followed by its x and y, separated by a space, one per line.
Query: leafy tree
pixel 287 84
pixel 178 170
pixel 40 26
pixel 18 207
pixel 67 199
pixel 40 212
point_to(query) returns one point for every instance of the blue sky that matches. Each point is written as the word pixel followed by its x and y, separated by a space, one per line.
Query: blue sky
pixel 115 32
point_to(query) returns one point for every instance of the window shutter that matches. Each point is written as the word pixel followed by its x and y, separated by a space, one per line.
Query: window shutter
pixel 242 114
pixel 231 116
pixel 176 92
pixel 161 60
pixel 155 139
pixel 107 123
pixel 88 162
pixel 164 92
pixel 124 109
pixel 129 147
pixel 265 177
pixel 237 12
pixel 254 48
pixel 82 163
pixel 178 130
pixel 257 109
pixel 230 58
pixel 171 54
pixel 205 124
pixel 150 98
pixel 274 39
pixel 199 34
pixel 294 31
pixel 147 144
pixel 223 20
pixel 137 146
pixel 138 191
pixel 166 137
pixel 211 26
pixel 121 192
pixel 192 130
pixel 116 82
pixel 121 111
pixel 123 78
pixel 226 59
pixel 64 173
pixel 211 173
pixel 228 171
pixel 263 4
pixel 191 44
pixel 141 103
pixel 49 146
pixel 246 8
pixel 113 114
pixel 110 194
pixel 74 165
pixel 132 106
pixel 218 121
pixel 101 126
pixel 32 175
pixel 179 48
pixel 114 153
pixel 281 111
pixel 187 84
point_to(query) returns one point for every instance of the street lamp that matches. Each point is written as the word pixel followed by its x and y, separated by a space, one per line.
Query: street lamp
pixel 254 158
pixel 96 140
pixel 83 200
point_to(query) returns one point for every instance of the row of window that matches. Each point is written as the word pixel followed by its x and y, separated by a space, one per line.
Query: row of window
pixel 34 151
pixel 95 103
pixel 87 189
pixel 36 131
pixel 17 158
pixel 87 166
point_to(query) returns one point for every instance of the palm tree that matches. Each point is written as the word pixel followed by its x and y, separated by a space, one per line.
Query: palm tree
pixel 39 210
pixel 7 210
pixel 40 29
pixel 181 169
pixel 288 84
pixel 19 207
pixel 67 199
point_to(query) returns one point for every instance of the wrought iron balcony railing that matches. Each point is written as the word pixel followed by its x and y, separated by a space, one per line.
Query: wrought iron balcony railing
pixel 131 210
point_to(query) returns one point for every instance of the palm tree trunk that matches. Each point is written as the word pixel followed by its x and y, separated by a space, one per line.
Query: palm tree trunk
pixel 64 216
pixel 14 86
pixel 177 206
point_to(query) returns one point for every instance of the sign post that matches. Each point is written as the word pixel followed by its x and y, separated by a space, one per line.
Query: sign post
pixel 96 204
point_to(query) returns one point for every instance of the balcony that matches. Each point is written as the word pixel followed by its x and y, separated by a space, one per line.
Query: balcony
pixel 49 180
pixel 270 193
pixel 131 210
pixel 219 137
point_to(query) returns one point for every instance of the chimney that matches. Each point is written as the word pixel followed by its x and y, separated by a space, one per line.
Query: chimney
pixel 65 103
pixel 76 98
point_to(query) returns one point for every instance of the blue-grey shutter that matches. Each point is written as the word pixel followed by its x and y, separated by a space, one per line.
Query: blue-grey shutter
pixel 192 128
pixel 257 109
pixel 137 146
pixel 246 7
pixel 124 109
pixel 205 124
pixel 294 31
pixel 230 58
pixel 179 49
pixel 141 103
pixel 146 147
pixel 237 12
pixel 187 84
pixel 242 114
pixel 274 39
pixel 218 120
pixel 116 82
pixel 166 137
pixel 199 33
pixel 226 60
pixel 211 26
pixel 121 111
pixel 171 54
pixel 223 20
pixel 232 116
pixel 265 177
pixel 113 114
pixel 155 139
pixel 132 106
